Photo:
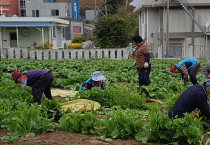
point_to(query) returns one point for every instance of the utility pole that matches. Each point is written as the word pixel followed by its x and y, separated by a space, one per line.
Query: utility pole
pixel 167 30
pixel 105 8
pixel 95 11
pixel 100 9
pixel 126 4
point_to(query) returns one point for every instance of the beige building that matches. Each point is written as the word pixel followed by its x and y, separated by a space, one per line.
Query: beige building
pixel 185 25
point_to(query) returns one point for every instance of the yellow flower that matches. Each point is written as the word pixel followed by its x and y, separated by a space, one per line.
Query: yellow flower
pixel 75 46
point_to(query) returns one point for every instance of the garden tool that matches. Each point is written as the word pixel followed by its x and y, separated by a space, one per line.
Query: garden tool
pixel 129 68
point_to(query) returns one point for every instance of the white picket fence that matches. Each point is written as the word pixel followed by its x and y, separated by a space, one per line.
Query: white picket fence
pixel 41 54
pixel 182 51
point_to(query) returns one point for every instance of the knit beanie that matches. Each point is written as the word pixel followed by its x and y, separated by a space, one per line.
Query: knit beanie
pixel 15 75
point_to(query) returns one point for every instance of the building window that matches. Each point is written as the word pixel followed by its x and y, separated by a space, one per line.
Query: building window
pixel 6 14
pixel 55 12
pixel 35 13
pixel 77 29
pixel 175 50
pixel 54 1
pixel 23 13
pixel 22 4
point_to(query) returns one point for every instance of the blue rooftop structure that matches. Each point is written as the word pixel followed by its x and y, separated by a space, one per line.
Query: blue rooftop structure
pixel 25 24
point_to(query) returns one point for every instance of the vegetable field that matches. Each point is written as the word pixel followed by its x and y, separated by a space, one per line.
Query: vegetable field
pixel 124 113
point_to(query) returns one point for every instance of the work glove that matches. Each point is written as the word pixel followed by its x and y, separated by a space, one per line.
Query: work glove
pixel 146 65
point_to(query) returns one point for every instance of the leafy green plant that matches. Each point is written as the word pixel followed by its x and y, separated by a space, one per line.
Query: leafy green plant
pixel 162 129
pixel 52 109
pixel 26 121
pixel 80 123
pixel 124 96
pixel 121 125
pixel 79 39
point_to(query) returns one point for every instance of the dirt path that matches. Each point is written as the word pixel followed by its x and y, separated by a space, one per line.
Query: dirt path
pixel 68 138
pixel 65 138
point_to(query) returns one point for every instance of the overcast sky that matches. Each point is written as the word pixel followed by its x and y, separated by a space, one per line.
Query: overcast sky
pixel 135 3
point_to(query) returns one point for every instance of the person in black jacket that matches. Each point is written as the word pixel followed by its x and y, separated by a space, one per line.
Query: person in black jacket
pixel 192 98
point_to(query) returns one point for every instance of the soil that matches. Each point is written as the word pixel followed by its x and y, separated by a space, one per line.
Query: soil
pixel 66 138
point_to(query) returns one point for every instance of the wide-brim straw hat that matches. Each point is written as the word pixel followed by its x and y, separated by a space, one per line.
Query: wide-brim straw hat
pixel 97 76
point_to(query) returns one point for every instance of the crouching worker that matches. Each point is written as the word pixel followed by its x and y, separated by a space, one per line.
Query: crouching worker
pixel 96 80
pixel 39 80
pixel 187 67
pixel 195 97
pixel 207 70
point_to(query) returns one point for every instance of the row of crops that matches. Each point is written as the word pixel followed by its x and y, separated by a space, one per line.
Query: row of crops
pixel 125 114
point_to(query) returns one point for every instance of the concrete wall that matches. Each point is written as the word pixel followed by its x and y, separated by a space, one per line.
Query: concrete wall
pixel 45 9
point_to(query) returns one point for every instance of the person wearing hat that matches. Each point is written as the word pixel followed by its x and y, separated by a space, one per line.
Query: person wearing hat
pixel 207 70
pixel 195 97
pixel 96 80
pixel 142 60
pixel 187 67
pixel 39 80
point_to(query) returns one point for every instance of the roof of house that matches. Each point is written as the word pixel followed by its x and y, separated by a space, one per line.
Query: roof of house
pixel 159 3
pixel 31 21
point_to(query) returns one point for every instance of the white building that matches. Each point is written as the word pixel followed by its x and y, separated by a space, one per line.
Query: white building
pixel 26 32
pixel 186 23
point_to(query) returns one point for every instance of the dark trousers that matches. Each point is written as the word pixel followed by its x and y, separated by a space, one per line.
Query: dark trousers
pixel 144 76
pixel 43 86
pixel 193 72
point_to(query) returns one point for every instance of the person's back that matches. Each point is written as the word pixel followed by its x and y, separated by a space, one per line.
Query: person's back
pixel 192 98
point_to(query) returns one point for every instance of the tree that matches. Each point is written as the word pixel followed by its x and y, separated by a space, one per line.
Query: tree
pixel 112 6
pixel 115 31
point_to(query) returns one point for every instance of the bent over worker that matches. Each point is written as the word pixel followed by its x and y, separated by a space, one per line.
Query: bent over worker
pixel 96 80
pixel 207 70
pixel 187 67
pixel 39 80
pixel 195 97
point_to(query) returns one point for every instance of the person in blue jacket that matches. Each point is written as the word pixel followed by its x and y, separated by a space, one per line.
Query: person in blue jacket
pixel 96 80
pixel 195 97
pixel 189 66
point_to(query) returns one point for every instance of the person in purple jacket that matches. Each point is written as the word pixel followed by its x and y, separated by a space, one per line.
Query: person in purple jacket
pixel 39 80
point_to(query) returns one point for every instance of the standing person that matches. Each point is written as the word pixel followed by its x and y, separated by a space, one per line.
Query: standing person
pixel 96 80
pixel 195 97
pixel 207 70
pixel 39 80
pixel 142 60
pixel 187 67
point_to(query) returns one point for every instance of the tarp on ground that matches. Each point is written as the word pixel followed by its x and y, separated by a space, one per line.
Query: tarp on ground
pixel 80 105
pixel 63 93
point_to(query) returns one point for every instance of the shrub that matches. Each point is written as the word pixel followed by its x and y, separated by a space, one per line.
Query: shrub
pixel 79 39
